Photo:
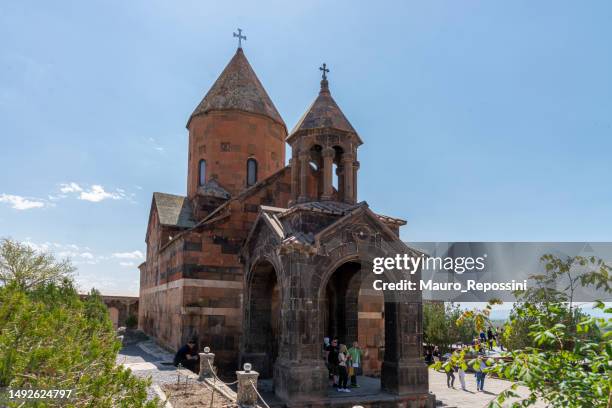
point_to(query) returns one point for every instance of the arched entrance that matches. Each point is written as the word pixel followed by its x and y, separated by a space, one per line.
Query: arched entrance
pixel 262 318
pixel 353 311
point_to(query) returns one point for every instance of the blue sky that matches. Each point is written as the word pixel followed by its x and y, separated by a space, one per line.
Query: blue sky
pixel 482 121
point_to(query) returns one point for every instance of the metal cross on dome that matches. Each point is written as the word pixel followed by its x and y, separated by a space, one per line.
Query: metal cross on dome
pixel 240 37
pixel 325 70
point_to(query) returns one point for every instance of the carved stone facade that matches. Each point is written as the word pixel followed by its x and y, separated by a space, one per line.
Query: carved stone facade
pixel 262 271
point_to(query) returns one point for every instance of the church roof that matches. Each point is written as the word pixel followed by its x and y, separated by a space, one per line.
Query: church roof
pixel 173 210
pixel 214 189
pixel 330 208
pixel 323 113
pixel 238 88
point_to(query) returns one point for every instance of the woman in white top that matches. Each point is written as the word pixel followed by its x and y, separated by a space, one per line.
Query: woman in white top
pixel 343 361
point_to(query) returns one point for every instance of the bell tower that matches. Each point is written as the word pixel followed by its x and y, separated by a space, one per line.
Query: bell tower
pixel 325 144
pixel 236 137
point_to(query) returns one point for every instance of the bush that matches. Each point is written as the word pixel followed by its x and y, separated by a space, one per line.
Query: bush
pixel 51 339
pixel 131 322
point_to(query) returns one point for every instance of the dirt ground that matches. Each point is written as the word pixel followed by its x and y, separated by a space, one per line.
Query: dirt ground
pixel 195 395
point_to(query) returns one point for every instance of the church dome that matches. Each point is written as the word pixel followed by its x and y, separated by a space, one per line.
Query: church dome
pixel 323 113
pixel 238 88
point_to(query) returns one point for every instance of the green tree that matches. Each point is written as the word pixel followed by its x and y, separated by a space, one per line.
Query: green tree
pixel 21 265
pixel 565 360
pixel 560 367
pixel 52 339
pixel 439 326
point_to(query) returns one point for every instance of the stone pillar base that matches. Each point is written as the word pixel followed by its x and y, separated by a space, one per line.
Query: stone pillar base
pixel 247 384
pixel 207 361
pixel 300 381
pixel 405 378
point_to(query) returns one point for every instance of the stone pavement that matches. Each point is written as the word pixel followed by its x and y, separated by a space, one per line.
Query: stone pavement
pixel 470 398
pixel 146 359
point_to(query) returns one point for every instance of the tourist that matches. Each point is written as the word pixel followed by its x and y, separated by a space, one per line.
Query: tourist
pixel 332 362
pixel 498 336
pixel 462 378
pixel 187 356
pixel 491 337
pixel 450 376
pixel 343 361
pixel 436 353
pixel 480 374
pixel 483 337
pixel 429 360
pixel 356 355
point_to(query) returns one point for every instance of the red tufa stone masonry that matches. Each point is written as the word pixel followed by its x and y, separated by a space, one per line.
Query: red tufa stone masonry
pixel 261 260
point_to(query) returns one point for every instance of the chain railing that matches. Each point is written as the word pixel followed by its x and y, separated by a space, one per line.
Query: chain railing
pixel 258 394
pixel 212 370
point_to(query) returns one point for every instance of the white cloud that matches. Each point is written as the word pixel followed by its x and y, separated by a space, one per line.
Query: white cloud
pixel 21 203
pixel 97 193
pixel 126 263
pixel 94 193
pixel 78 255
pixel 129 255
pixel 86 255
pixel 70 188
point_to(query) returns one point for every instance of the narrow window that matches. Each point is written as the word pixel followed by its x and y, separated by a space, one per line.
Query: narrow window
pixel 251 172
pixel 202 172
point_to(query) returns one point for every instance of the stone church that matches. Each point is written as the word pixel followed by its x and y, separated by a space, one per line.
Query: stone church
pixel 261 260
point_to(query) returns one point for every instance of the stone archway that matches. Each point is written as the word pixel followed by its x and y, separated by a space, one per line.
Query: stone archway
pixel 354 312
pixel 114 316
pixel 262 319
pixel 399 327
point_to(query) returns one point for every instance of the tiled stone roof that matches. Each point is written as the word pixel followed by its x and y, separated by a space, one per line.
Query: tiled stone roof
pixel 238 88
pixel 214 189
pixel 334 208
pixel 323 113
pixel 173 210
pixel 327 207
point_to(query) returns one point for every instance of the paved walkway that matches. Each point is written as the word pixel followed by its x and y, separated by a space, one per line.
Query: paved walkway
pixel 470 398
pixel 146 359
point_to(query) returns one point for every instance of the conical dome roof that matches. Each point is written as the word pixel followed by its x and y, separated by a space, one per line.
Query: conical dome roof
pixel 323 113
pixel 238 88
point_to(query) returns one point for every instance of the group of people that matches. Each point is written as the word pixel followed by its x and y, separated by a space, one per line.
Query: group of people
pixel 479 368
pixel 342 363
pixel 491 338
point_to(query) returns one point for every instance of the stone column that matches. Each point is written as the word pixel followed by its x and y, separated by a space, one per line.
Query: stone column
pixel 403 371
pixel 295 177
pixel 340 174
pixel 300 374
pixel 304 157
pixel 246 396
pixel 347 163
pixel 356 166
pixel 328 161
pixel 207 361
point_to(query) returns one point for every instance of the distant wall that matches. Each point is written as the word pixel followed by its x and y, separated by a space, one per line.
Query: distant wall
pixel 120 308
